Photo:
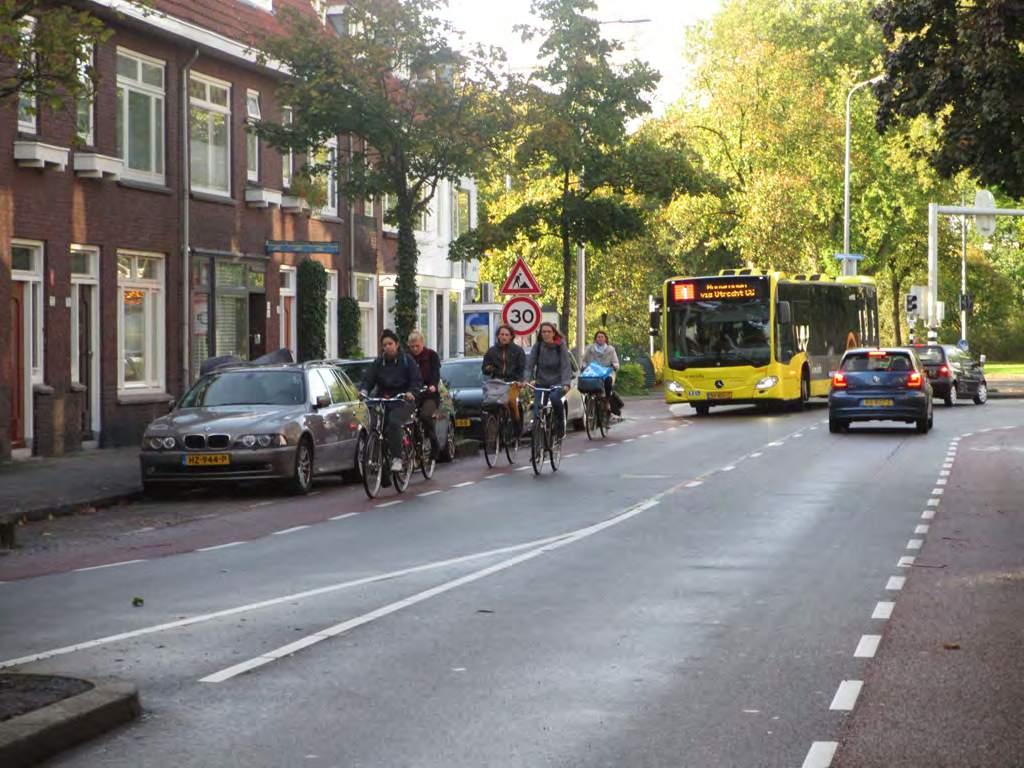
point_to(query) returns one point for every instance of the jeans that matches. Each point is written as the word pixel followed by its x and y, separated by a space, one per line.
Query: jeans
pixel 394 419
pixel 428 407
pixel 557 408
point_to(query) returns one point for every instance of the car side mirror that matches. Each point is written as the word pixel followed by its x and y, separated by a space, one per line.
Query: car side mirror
pixel 322 401
pixel 785 313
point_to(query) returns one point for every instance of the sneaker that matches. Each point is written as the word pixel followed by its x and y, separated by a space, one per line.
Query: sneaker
pixel 396 465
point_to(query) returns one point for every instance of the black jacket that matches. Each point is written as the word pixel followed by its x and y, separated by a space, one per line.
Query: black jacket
pixel 392 377
pixel 505 363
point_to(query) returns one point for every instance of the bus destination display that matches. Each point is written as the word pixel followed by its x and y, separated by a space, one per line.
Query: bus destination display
pixel 718 289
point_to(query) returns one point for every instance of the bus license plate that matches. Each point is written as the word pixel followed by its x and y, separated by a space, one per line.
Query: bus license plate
pixel 876 403
pixel 207 460
pixel 719 395
pixel 462 422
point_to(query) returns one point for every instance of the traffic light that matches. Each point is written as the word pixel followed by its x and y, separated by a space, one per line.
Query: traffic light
pixel 966 302
pixel 910 301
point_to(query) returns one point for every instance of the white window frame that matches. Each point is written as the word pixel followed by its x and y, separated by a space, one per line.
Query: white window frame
pixel 331 208
pixel 252 141
pixel 431 302
pixel 288 156
pixel 159 96
pixel 155 290
pixel 263 5
pixel 210 107
pixel 368 334
pixel 91 278
pixel 29 123
pixel 33 322
pixel 331 319
pixel 283 293
pixel 88 137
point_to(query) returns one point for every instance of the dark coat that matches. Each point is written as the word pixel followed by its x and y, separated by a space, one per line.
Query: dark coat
pixel 549 364
pixel 505 363
pixel 392 377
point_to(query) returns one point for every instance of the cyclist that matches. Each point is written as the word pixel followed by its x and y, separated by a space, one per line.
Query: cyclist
pixel 507 361
pixel 549 366
pixel 393 374
pixel 430 371
pixel 603 353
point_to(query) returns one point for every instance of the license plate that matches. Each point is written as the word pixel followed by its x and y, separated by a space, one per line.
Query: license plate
pixel 207 460
pixel 719 395
pixel 876 403
pixel 462 422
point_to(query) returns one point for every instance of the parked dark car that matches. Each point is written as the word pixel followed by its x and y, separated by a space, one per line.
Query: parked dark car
pixel 953 373
pixel 465 381
pixel 444 428
pixel 880 385
pixel 292 422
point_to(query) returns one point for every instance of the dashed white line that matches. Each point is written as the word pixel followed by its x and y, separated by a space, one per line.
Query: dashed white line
pixel 730 468
pixel 846 695
pixel 694 483
pixel 895 583
pixel 220 546
pixel 570 456
pixel 756 455
pixel 593 450
pixel 523 469
pixel 944 472
pixel 430 493
pixel 290 530
pixel 933 502
pixel 629 440
pixel 344 516
pixel 906 561
pixel 820 754
pixel 883 610
pixel 948 465
pixel 660 431
pixel 494 476
pixel 776 443
pixel 941 481
pixel 388 504
pixel 867 647
pixel 938 491
pixel 922 529
pixel 266 503
pixel 465 484
pixel 915 544
pixel 798 434
pixel 108 565
pixel 144 530
pixel 928 514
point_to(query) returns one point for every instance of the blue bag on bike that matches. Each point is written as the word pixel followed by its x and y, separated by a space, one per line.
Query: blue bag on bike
pixel 592 377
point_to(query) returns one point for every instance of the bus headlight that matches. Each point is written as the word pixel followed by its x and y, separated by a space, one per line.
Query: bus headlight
pixel 675 388
pixel 767 383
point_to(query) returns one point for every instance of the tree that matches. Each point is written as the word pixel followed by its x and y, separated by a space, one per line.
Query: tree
pixel 312 300
pixel 423 111
pixel 960 65
pixel 573 163
pixel 46 52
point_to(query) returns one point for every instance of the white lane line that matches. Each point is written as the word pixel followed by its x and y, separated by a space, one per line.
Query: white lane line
pixel 820 754
pixel 220 546
pixel 523 469
pixel 430 493
pixel 108 565
pixel 966 434
pixel 660 432
pixel 629 440
pixel 933 502
pixel 730 468
pixel 694 483
pixel 846 696
pixel 883 610
pixel 944 473
pixel 144 530
pixel 938 491
pixel 814 427
pixel 867 647
pixel 941 480
pixel 570 456
pixel 592 450
pixel 906 561
pixel 895 583
pixel 494 476
pixel 204 617
pixel 776 443
pixel 465 484
pixel 643 436
pixel 755 455
pixel 948 465
pixel 915 543
pixel 798 434
pixel 922 529
pixel 388 504
pixel 290 530
pixel 928 514
pixel 419 597
pixel 344 516
pixel 266 503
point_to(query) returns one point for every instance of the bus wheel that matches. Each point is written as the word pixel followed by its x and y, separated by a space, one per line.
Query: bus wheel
pixel 805 389
pixel 702 410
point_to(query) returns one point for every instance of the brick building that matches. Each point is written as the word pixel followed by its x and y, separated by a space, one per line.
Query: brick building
pixel 128 255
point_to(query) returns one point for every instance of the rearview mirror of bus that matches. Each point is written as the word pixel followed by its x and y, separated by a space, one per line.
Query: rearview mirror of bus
pixel 655 328
pixel 785 313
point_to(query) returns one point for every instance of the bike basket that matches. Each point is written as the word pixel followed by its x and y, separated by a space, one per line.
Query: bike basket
pixel 495 392
pixel 590 384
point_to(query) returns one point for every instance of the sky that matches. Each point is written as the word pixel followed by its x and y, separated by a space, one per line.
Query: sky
pixel 659 42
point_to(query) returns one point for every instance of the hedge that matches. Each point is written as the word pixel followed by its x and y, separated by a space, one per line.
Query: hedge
pixel 630 380
pixel 312 319
pixel 348 328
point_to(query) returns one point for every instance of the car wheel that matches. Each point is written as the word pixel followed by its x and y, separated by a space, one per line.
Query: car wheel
pixel 951 396
pixel 302 477
pixel 922 426
pixel 981 396
pixel 835 426
pixel 355 474
pixel 702 410
pixel 931 421
pixel 448 451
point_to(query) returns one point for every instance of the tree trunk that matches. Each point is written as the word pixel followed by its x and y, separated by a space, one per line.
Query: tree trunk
pixel 406 295
pixel 566 258
pixel 894 285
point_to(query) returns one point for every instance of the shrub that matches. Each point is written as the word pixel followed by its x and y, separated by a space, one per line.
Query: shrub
pixel 630 380
pixel 312 300
pixel 659 366
pixel 348 328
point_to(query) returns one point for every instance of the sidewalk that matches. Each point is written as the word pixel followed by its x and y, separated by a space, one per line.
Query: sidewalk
pixel 1006 386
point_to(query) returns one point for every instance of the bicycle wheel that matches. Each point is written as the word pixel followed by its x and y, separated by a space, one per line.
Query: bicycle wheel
pixel 402 477
pixel 373 465
pixel 555 448
pixel 427 460
pixel 537 445
pixel 491 439
pixel 510 434
pixel 604 422
pixel 589 416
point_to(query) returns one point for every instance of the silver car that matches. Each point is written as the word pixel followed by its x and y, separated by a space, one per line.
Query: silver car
pixel 290 422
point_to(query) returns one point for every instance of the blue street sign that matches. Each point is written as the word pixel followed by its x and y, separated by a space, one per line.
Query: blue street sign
pixel 301 246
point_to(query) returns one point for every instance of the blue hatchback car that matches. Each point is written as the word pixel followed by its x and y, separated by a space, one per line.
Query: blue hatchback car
pixel 880 385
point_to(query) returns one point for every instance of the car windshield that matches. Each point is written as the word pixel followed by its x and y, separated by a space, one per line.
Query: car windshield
pixel 719 333
pixel 463 374
pixel 247 388
pixel 930 355
pixel 885 362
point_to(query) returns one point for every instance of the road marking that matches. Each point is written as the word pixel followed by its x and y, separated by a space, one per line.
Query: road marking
pixel 643 477
pixel 290 530
pixel 906 561
pixel 798 434
pixel 523 469
pixel 108 565
pixel 592 450
pixel 266 503
pixel 220 546
pixel 883 610
pixel 937 492
pixel 814 427
pixel 922 529
pixel 144 530
pixel 776 443
pixel 933 502
pixel 388 504
pixel 820 754
pixel 465 484
pixel 966 434
pixel 944 472
pixel 643 436
pixel 867 647
pixel 492 477
pixel 730 468
pixel 570 456
pixel 386 610
pixel 755 455
pixel 948 465
pixel 895 583
pixel 430 493
pixel 846 696
pixel 660 431
pixel 941 480
pixel 915 544
pixel 694 483
pixel 928 514
pixel 202 618
pixel 342 517
pixel 629 440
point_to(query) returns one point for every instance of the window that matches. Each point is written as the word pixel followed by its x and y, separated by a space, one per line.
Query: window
pixel 425 305
pixel 287 313
pixel 368 206
pixel 454 326
pixel 252 141
pixel 460 212
pixel 364 290
pixel 27 268
pixel 84 274
pixel 264 5
pixel 140 320
pixel 317 386
pixel 338 393
pixel 27 102
pixel 331 320
pixel 388 204
pixel 84 111
pixel 140 116
pixel 210 147
pixel 328 156
pixel 287 157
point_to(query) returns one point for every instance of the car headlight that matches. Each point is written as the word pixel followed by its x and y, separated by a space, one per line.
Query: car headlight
pixel 161 443
pixel 767 382
pixel 675 388
pixel 262 441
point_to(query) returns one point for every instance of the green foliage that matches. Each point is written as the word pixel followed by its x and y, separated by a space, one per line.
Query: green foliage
pixel 630 379
pixel 312 309
pixel 348 328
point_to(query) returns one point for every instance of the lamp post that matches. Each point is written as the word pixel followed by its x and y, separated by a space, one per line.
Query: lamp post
pixel 846 178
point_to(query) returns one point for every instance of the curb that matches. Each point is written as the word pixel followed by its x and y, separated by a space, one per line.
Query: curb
pixel 9 520
pixel 30 738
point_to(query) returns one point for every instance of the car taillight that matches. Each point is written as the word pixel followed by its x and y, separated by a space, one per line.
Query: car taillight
pixel 914 380
pixel 838 380
pixel 944 371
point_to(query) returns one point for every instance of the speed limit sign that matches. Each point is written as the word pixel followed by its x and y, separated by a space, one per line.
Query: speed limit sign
pixel 523 314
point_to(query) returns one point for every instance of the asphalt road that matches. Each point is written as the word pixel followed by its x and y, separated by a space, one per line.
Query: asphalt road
pixel 689 592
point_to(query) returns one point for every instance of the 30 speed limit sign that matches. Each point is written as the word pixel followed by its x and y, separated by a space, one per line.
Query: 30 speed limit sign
pixel 523 314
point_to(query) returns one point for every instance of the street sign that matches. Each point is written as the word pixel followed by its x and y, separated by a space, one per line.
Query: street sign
pixel 520 281
pixel 523 314
pixel 985 223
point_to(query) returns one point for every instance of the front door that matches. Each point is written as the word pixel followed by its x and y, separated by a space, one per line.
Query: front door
pixel 16 364
pixel 85 354
pixel 257 325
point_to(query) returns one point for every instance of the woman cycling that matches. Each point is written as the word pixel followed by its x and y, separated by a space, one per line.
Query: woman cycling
pixel 549 367
pixel 603 353
pixel 507 361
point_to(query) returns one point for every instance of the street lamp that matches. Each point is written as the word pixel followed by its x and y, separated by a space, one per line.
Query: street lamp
pixel 846 175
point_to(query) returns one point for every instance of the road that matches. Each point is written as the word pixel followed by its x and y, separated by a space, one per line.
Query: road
pixel 688 592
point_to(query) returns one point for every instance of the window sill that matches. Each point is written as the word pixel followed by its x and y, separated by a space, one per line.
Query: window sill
pixel 210 197
pixel 328 217
pixel 144 186
pixel 143 397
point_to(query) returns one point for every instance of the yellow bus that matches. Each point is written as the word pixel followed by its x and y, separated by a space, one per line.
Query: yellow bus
pixel 764 338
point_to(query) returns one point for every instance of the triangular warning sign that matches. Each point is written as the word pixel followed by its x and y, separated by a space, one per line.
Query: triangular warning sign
pixel 520 281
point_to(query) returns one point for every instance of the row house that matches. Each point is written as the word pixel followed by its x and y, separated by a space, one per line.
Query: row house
pixel 148 229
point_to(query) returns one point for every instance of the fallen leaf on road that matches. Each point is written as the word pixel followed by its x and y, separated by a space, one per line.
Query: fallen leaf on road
pixel 951 646
pixel 138 602
pixel 484 610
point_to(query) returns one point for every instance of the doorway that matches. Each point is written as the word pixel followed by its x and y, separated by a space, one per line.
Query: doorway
pixel 16 364
pixel 85 322
pixel 257 325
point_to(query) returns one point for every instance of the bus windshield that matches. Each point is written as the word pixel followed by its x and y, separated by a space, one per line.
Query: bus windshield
pixel 719 333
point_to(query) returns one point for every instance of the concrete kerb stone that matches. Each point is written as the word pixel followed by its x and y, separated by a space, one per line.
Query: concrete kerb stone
pixel 28 739
pixel 9 521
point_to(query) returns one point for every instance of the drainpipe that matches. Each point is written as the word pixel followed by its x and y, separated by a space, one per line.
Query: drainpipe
pixel 351 220
pixel 186 255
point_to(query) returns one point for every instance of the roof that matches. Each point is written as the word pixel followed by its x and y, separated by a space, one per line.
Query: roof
pixel 236 19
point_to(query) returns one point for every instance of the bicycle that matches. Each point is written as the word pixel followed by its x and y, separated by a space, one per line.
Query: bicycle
pixel 423 451
pixel 377 456
pixel 500 433
pixel 597 410
pixel 543 439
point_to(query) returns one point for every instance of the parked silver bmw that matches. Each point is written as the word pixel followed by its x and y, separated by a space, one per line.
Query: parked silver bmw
pixel 292 421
